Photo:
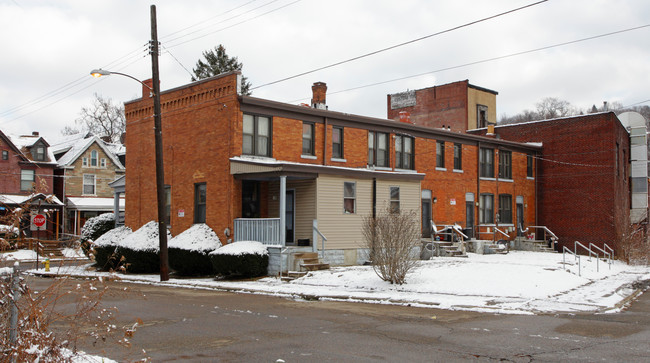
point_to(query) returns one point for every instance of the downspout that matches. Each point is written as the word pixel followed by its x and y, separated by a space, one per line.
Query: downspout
pixel 65 203
pixel 325 141
pixel 478 190
pixel 374 198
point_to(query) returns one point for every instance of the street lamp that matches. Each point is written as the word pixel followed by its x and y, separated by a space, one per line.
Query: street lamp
pixel 160 174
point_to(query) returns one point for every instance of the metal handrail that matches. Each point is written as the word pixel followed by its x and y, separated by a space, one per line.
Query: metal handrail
pixel 605 253
pixel 609 248
pixel 575 248
pixel 315 231
pixel 500 231
pixel 545 230
pixel 577 257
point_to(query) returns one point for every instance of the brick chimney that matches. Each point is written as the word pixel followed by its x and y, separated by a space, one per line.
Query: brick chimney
pixel 147 92
pixel 319 91
pixel 405 116
pixel 35 133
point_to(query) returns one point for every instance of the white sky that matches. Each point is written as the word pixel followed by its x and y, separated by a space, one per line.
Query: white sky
pixel 48 49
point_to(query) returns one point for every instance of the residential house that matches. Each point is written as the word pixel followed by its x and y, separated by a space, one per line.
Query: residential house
pixel 281 173
pixel 26 181
pixel 86 166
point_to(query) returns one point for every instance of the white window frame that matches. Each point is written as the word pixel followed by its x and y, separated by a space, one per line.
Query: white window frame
pixel 352 197
pixel 84 184
pixel 394 199
pixel 23 174
pixel 94 157
pixel 84 162
pixel 102 162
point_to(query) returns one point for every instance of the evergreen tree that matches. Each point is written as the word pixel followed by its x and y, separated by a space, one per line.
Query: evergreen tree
pixel 217 62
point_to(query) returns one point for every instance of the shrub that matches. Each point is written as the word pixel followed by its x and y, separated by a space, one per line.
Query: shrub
pixel 104 248
pixel 243 258
pixel 391 239
pixel 189 251
pixel 94 228
pixel 140 249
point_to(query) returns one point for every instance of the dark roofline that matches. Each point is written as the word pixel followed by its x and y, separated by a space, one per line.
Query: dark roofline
pixel 482 89
pixel 466 81
pixel 259 105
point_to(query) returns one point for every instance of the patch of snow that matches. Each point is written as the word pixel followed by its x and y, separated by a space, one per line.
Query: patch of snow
pixel 19 255
pixel 113 237
pixel 4 228
pixel 6 271
pixel 93 223
pixel 199 237
pixel 241 248
pixel 144 239
pixel 73 253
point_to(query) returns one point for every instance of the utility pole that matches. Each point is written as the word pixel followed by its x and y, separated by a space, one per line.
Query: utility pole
pixel 160 173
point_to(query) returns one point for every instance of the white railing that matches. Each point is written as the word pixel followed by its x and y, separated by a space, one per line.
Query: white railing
pixel 566 250
pixel 605 254
pixel 611 250
pixel 315 235
pixel 264 230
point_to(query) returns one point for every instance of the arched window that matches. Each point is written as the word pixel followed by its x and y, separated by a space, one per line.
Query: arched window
pixel 93 158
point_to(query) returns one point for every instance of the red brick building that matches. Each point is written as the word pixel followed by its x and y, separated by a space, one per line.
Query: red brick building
pixel 242 164
pixel 583 185
pixel 26 180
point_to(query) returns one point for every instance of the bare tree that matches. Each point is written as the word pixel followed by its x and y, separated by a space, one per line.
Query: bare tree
pixel 553 107
pixel 391 239
pixel 102 118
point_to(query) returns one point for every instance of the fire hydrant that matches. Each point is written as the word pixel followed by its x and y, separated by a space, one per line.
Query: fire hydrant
pixel 47 265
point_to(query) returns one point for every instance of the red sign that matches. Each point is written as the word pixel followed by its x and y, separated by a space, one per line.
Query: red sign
pixel 39 220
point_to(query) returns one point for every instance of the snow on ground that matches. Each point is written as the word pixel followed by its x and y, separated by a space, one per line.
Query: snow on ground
pixel 73 253
pixel 516 283
pixel 199 237
pixel 19 255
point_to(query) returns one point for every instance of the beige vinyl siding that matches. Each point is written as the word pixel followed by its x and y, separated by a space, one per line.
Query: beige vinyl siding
pixel 409 195
pixel 305 211
pixel 344 231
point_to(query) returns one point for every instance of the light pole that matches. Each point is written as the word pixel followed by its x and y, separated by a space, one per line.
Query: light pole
pixel 160 173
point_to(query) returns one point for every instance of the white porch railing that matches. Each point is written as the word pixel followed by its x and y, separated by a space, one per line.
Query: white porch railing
pixel 265 230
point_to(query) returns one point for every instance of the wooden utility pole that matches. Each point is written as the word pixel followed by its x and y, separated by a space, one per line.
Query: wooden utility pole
pixel 160 172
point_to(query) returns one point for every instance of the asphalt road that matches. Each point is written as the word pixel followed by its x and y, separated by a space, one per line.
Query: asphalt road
pixel 186 325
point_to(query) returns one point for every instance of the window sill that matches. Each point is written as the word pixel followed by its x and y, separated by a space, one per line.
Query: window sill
pixel 507 180
pixel 405 170
pixel 530 178
pixel 458 171
pixel 310 157
pixel 488 179
pixel 338 160
pixel 380 168
pixel 441 169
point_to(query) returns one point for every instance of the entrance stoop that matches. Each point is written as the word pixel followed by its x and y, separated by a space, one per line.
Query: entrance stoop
pixel 309 261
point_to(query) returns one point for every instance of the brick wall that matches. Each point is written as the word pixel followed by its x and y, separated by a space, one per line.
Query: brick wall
pixel 582 195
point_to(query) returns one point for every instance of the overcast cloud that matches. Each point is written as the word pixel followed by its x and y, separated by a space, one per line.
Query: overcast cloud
pixel 49 47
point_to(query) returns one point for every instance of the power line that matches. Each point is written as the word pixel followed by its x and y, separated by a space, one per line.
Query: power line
pixel 401 44
pixel 487 60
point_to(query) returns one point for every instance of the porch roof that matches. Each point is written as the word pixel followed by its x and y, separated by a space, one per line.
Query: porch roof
pixel 32 199
pixel 243 167
pixel 93 204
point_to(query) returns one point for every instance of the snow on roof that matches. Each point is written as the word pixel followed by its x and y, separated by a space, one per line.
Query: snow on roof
pixel 20 199
pixel 23 142
pixel 114 236
pixel 199 237
pixel 93 203
pixel 78 147
pixel 242 247
pixel 145 239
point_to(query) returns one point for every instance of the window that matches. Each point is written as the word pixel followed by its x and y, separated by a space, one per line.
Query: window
pixel 89 184
pixel 505 164
pixel 93 158
pixel 505 208
pixel 458 157
pixel 39 153
pixel 102 162
pixel 200 191
pixel 403 152
pixel 378 149
pixel 440 154
pixel 481 116
pixel 394 199
pixel 168 205
pixel 84 161
pixel 529 166
pixel 256 135
pixel 5 155
pixel 307 138
pixel 486 163
pixel 27 179
pixel 486 209
pixel 337 143
pixel 349 197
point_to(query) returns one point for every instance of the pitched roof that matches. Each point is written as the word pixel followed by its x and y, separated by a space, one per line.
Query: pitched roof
pixel 76 148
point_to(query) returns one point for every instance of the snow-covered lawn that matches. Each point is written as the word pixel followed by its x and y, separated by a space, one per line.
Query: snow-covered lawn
pixel 516 283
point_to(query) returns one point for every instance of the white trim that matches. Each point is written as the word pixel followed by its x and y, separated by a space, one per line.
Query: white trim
pixel 458 171
pixel 311 157
pixel 83 185
pixel 506 180
pixel 338 160
pixel 441 169
pixel 488 179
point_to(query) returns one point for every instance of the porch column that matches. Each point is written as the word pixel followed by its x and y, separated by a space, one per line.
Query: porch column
pixel 283 210
pixel 116 207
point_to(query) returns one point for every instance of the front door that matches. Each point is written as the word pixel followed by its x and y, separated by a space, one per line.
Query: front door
pixel 469 214
pixel 426 213
pixel 520 215
pixel 250 199
pixel 290 215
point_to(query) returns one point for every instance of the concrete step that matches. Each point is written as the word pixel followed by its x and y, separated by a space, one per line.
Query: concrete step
pixel 315 266
pixel 310 260
pixel 305 255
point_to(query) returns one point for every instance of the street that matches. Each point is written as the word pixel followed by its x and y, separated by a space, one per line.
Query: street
pixel 203 325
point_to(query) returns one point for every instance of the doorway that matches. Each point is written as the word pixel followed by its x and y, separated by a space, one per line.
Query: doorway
pixel 469 215
pixel 520 215
pixel 250 199
pixel 290 215
pixel 427 215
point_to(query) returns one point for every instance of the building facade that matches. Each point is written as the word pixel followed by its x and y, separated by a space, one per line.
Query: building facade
pixel 232 161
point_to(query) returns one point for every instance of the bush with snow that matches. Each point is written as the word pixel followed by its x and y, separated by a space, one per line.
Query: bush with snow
pixel 94 228
pixel 243 258
pixel 188 252
pixel 104 248
pixel 141 249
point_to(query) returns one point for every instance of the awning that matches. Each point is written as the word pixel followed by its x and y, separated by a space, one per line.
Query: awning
pixel 32 199
pixel 88 204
